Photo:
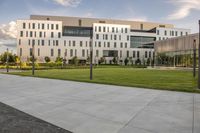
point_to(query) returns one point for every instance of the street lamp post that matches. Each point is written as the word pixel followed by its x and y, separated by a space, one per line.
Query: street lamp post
pixel 194 58
pixel 33 59
pixel 199 59
pixel 7 61
pixel 91 57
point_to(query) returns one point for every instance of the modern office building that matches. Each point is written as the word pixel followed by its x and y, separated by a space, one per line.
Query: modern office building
pixel 177 51
pixel 67 37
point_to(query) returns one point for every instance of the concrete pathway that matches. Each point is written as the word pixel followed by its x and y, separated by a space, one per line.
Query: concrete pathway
pixel 94 108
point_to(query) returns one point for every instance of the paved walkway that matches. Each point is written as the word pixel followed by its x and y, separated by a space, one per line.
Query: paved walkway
pixel 93 108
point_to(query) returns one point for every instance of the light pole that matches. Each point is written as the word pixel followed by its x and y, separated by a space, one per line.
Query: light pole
pixel 194 58
pixel 7 61
pixel 199 59
pixel 33 59
pixel 91 56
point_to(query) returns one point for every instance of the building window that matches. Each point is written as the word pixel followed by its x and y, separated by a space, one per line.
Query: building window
pixel 21 33
pixel 125 45
pixel 38 51
pixel 56 26
pixel 104 29
pixel 165 33
pixel 186 33
pixel 127 38
pixel 110 37
pixel 71 52
pixel 42 42
pixel 35 34
pixel 176 33
pixel 181 33
pixel 52 35
pixel 43 26
pixel 106 36
pixel 24 25
pixel 81 44
pixel 33 25
pixel 40 34
pixel 145 54
pixel 52 52
pixel 113 29
pixel 127 53
pixel 74 43
pixel 49 42
pixel 99 44
pixel 33 42
pixel 57 42
pixel 52 26
pixel 149 54
pixel 126 30
pixel 83 53
pixel 120 54
pixel 138 54
pixel 120 37
pixel 122 30
pixel 95 28
pixel 31 34
pixel 75 52
pixel 38 26
pixel 97 36
pixel 59 52
pixel 38 42
pixel 133 54
pixel 172 33
pixel 115 44
pixel 108 44
pixel 59 35
pixel 115 37
pixel 116 30
pixel 20 52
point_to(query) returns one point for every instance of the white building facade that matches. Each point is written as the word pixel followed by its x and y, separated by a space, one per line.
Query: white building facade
pixel 54 37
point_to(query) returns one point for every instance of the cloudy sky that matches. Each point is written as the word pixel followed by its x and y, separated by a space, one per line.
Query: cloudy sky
pixel 181 13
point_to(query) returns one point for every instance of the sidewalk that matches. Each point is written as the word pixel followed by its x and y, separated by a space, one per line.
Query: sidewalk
pixel 94 108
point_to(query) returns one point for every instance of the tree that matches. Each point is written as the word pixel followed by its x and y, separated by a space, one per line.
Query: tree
pixel 47 59
pixel 102 60
pixel 114 60
pixel 138 61
pixel 126 61
pixel 11 57
pixel 75 60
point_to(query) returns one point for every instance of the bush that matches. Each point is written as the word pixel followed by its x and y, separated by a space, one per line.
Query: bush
pixel 126 61
pixel 47 59
pixel 51 64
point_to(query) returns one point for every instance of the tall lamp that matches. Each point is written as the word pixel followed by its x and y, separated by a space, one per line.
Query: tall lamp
pixel 194 58
pixel 91 56
pixel 199 59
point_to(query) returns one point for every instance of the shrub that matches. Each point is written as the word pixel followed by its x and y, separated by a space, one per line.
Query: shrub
pixel 126 61
pixel 47 59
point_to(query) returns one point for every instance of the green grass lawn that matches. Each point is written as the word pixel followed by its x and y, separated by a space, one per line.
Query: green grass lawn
pixel 175 80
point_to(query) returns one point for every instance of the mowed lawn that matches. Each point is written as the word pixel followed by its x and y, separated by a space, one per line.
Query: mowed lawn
pixel 175 80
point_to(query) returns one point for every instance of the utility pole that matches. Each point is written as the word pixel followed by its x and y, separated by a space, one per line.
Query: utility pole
pixel 33 59
pixel 199 59
pixel 91 56
pixel 7 61
pixel 194 58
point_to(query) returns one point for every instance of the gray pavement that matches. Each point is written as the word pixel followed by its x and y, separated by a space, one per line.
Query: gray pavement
pixel 94 108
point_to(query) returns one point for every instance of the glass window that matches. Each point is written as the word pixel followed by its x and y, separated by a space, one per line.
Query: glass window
pixel 138 54
pixel 115 44
pixel 31 34
pixel 99 44
pixel 133 54
pixel 19 42
pixel 43 26
pixel 59 52
pixel 31 52
pixel 38 51
pixel 57 42
pixel 71 52
pixel 81 43
pixel 121 44
pixel 97 36
pixel 83 53
pixel 52 26
pixel 40 34
pixel 97 53
pixel 145 54
pixel 126 30
pixel 74 43
pixel 52 35
pixel 99 28
pixel 24 25
pixel 20 52
pixel 127 53
pixel 56 26
pixel 59 35
pixel 42 42
pixel 52 52
pixel 33 25
pixel 21 33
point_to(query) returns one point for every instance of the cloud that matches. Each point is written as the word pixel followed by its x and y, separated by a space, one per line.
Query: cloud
pixel 184 8
pixel 67 3
pixel 8 31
